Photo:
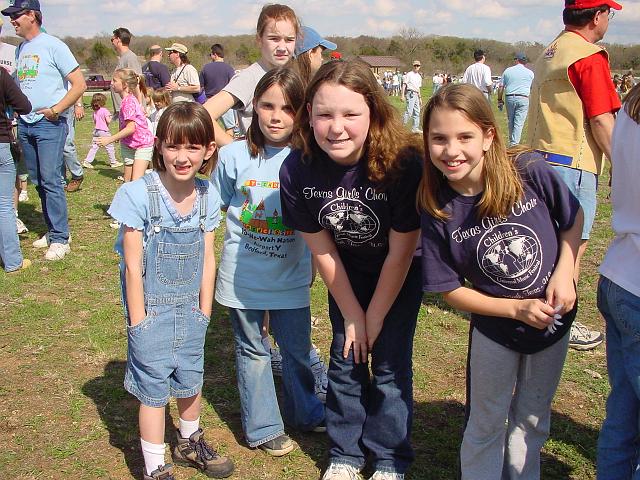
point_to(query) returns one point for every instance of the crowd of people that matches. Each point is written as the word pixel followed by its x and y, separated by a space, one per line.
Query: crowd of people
pixel 317 173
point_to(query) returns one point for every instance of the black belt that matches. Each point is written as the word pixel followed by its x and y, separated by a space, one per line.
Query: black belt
pixel 517 95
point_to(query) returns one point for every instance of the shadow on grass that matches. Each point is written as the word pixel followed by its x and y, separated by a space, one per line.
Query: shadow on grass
pixel 437 434
pixel 108 171
pixel 32 217
pixel 118 411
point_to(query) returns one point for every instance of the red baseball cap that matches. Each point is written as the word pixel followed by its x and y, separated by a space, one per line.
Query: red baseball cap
pixel 580 4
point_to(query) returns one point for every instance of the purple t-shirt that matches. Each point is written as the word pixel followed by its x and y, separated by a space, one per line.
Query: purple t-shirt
pixel 322 194
pixel 215 76
pixel 510 257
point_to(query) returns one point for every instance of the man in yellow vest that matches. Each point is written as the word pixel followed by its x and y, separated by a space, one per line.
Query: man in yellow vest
pixel 571 116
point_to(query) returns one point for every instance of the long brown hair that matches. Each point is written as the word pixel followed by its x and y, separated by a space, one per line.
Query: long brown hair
pixel 632 103
pixel 293 91
pixel 388 142
pixel 185 123
pixel 502 182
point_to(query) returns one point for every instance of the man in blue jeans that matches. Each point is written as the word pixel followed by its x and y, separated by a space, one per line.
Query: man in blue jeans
pixel 45 66
pixel 516 86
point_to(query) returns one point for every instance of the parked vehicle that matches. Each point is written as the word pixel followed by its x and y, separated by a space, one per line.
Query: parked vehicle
pixel 97 82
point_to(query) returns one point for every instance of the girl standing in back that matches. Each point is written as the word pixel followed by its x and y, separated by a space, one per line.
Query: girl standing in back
pixel 101 120
pixel 351 192
pixel 136 139
pixel 507 224
pixel 167 272
pixel 276 35
pixel 256 240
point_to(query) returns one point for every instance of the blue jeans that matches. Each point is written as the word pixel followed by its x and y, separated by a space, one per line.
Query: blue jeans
pixel 517 108
pixel 413 109
pixel 43 143
pixel 261 420
pixel 371 415
pixel 584 185
pixel 618 450
pixel 9 243
pixel 70 154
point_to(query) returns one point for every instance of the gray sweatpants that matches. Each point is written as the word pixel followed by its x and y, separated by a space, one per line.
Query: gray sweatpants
pixel 509 409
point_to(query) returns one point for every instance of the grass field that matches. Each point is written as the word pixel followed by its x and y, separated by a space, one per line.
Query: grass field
pixel 65 414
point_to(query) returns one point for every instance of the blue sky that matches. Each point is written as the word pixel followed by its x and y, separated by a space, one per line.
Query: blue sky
pixel 507 20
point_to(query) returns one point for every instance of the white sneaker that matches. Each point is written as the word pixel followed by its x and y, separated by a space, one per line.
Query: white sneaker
pixel 117 164
pixel 20 226
pixel 57 251
pixel 88 165
pixel 115 225
pixel 378 475
pixel 24 196
pixel 341 471
pixel 42 242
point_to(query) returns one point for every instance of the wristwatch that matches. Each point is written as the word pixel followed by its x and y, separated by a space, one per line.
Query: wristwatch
pixel 55 114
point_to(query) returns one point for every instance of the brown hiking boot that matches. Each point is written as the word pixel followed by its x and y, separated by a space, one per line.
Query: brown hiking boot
pixel 161 473
pixel 196 452
pixel 74 184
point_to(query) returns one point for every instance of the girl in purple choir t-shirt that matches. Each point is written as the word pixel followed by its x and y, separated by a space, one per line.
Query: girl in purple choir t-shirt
pixel 505 223
pixel 351 191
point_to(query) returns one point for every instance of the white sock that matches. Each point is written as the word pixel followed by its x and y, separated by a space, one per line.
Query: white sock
pixel 189 427
pixel 153 455
pixel 266 343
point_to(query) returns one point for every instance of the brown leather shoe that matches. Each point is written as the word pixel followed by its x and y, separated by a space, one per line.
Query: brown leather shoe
pixel 74 184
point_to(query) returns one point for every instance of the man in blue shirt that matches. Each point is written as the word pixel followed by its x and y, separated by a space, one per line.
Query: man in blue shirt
pixel 516 85
pixel 45 67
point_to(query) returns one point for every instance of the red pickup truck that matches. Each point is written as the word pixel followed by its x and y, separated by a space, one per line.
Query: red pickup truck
pixel 97 82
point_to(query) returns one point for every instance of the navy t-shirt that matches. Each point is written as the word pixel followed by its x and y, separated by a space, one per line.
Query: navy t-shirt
pixel 341 199
pixel 510 257
pixel 215 76
pixel 156 74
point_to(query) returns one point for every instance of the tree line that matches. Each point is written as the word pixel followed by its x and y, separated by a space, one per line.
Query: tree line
pixel 436 53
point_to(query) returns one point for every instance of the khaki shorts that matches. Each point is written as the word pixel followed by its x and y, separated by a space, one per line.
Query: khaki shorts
pixel 131 154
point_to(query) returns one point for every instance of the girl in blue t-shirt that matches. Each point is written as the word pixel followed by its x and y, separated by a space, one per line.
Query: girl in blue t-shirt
pixel 167 272
pixel 507 224
pixel 351 192
pixel 265 267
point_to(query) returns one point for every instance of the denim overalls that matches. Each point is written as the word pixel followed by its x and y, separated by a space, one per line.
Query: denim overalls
pixel 166 350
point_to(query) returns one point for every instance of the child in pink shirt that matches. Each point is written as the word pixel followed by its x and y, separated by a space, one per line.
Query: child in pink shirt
pixel 101 120
pixel 136 139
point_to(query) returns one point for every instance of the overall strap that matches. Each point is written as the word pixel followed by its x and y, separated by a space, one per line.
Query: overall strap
pixel 153 190
pixel 203 188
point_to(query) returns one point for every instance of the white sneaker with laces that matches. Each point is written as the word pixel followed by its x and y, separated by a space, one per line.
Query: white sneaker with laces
pixel 57 251
pixel 88 165
pixel 115 225
pixel 341 471
pixel 582 338
pixel 378 475
pixel 24 196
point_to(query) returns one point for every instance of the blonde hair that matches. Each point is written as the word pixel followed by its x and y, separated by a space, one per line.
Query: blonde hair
pixel 132 81
pixel 160 98
pixel 502 182
pixel 387 144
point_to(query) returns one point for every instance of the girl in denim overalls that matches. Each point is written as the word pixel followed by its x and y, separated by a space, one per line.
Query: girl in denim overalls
pixel 266 267
pixel 167 274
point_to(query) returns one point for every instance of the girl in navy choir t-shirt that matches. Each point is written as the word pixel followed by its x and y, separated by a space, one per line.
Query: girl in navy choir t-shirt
pixel 510 227
pixel 351 191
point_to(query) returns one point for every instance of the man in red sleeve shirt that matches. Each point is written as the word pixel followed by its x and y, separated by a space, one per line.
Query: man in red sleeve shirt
pixel 572 120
